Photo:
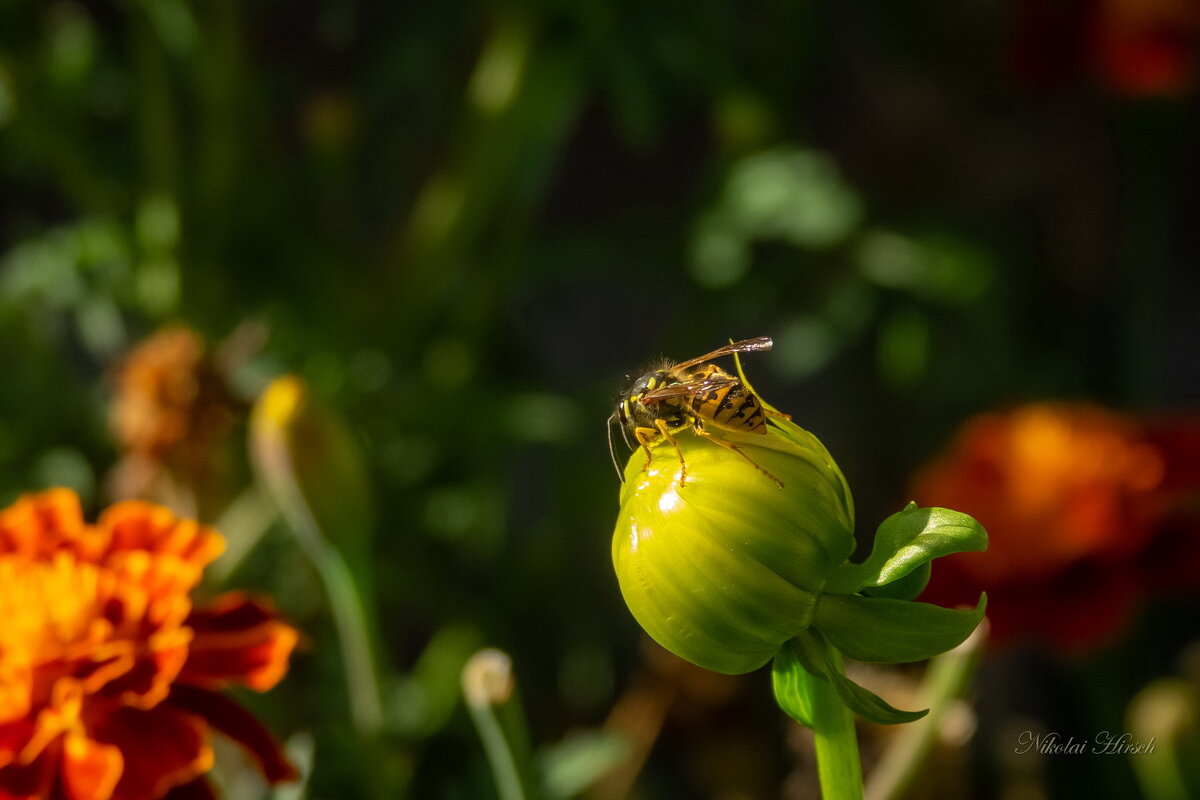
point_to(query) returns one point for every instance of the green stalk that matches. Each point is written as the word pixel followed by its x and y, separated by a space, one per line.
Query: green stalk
pixel 1159 775
pixel 1164 713
pixel 490 690
pixel 345 601
pixel 838 765
pixel 243 524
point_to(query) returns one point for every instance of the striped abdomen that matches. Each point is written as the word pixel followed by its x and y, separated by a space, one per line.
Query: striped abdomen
pixel 732 407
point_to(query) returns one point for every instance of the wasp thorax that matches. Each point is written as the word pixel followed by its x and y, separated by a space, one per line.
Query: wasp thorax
pixel 637 413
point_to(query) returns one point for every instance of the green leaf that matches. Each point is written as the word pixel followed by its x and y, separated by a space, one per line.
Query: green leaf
pixel 575 763
pixel 905 541
pixel 811 653
pixel 885 630
pixel 791 681
pixel 421 703
pixel 907 588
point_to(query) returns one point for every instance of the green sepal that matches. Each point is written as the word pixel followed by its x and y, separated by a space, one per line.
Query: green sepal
pixel 905 541
pixel 885 630
pixel 907 588
pixel 791 682
pixel 811 653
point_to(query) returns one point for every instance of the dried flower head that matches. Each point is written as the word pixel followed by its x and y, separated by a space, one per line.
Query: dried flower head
pixel 170 399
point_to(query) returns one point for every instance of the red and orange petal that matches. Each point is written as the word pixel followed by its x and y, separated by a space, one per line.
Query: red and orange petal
pixel 226 716
pixel 1052 483
pixel 90 770
pixel 60 715
pixel 78 638
pixel 238 640
pixel 163 747
pixel 136 525
pixel 148 680
pixel 1087 511
pixel 13 736
pixel 38 525
pixel 16 695
pixel 31 781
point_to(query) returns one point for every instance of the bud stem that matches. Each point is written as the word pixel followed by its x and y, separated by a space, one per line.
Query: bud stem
pixel 838 766
pixel 345 603
pixel 490 690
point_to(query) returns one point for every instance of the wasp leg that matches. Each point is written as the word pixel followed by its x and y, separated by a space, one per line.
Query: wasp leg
pixel 772 413
pixel 738 450
pixel 648 436
pixel 666 432
pixel 645 437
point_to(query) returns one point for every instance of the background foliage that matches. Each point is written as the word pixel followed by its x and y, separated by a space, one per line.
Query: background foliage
pixel 463 224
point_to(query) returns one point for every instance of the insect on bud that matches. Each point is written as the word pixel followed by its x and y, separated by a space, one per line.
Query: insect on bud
pixel 733 541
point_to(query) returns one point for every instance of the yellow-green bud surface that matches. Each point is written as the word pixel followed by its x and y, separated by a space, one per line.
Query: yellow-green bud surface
pixel 722 567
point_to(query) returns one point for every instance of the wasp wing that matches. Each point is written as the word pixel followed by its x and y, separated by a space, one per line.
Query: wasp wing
pixel 755 345
pixel 687 389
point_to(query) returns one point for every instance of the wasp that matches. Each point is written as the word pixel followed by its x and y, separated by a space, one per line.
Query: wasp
pixel 692 394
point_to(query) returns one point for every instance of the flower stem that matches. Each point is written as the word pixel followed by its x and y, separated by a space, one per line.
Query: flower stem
pixel 243 523
pixel 490 691
pixel 838 765
pixel 346 604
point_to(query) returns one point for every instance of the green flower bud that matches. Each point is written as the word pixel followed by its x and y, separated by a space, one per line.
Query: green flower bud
pixel 304 453
pixel 724 566
pixel 735 550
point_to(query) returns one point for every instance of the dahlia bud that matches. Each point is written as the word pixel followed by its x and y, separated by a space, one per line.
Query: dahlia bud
pixel 723 568
pixel 728 570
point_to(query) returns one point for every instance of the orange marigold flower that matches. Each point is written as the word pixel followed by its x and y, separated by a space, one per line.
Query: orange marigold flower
pixel 109 678
pixel 1075 499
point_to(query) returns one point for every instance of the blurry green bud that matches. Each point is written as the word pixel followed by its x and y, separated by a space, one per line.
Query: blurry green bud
pixel 1164 739
pixel 304 453
pixel 723 569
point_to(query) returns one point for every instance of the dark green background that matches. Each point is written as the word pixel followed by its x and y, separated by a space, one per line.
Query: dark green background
pixel 465 223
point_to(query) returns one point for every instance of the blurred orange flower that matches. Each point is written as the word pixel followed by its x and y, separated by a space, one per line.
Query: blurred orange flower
pixel 1078 502
pixel 1147 47
pixel 1135 48
pixel 169 394
pixel 171 411
pixel 109 679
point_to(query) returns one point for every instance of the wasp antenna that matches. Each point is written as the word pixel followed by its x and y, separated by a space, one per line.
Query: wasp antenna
pixel 625 436
pixel 612 450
